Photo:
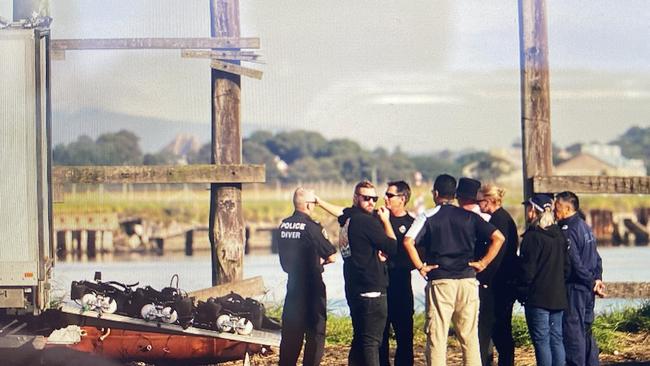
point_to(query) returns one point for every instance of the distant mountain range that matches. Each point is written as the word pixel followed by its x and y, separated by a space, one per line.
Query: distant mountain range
pixel 183 145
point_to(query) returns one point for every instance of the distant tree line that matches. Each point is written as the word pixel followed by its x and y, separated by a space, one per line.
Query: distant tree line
pixel 635 144
pixel 307 156
pixel 120 148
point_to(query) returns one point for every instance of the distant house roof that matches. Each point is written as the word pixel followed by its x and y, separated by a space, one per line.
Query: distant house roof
pixel 588 164
pixel 584 164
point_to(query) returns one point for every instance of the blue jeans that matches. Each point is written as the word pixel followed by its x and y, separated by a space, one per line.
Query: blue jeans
pixel 545 328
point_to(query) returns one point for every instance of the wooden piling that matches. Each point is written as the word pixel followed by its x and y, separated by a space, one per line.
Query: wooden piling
pixel 602 224
pixel 60 244
pixel 226 217
pixel 91 243
pixel 535 96
pixel 189 242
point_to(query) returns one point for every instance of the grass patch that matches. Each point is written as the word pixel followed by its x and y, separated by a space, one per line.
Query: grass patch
pixel 608 328
pixel 339 330
pixel 520 331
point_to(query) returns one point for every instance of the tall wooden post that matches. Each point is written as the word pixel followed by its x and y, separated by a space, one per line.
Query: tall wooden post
pixel 535 97
pixel 226 229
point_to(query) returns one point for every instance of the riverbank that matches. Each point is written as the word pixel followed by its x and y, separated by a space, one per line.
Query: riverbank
pixel 635 352
pixel 620 264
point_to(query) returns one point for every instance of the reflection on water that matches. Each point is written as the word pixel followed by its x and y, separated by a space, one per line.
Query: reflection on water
pixel 620 264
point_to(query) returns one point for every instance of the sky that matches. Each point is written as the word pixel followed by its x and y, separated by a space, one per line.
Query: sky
pixel 422 75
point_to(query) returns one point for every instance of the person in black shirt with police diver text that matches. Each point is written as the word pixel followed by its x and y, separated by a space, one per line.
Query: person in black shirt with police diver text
pixel 304 248
pixel 399 292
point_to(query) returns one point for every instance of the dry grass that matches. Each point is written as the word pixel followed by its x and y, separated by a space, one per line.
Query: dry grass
pixel 636 351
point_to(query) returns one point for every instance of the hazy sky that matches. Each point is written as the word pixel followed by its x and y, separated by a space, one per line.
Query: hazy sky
pixel 425 75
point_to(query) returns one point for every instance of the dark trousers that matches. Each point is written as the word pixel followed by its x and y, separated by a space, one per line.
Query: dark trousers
pixel 304 317
pixel 368 322
pixel 504 299
pixel 579 343
pixel 495 325
pixel 486 320
pixel 400 315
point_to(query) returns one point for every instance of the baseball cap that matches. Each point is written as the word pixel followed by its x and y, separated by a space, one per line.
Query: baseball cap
pixel 539 202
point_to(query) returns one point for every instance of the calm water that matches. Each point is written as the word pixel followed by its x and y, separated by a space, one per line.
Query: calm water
pixel 620 264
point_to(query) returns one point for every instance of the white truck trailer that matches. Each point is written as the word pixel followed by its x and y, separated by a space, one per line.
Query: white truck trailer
pixel 26 249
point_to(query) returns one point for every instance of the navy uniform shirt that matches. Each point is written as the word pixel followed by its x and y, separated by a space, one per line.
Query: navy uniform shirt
pixel 448 235
pixel 302 244
pixel 586 265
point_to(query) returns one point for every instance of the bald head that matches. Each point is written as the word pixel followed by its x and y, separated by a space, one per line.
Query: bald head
pixel 302 197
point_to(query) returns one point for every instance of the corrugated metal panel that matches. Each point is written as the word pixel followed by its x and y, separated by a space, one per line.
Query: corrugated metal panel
pixel 19 214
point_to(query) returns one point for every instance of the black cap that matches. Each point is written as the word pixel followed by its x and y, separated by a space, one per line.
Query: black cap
pixel 467 188
pixel 540 202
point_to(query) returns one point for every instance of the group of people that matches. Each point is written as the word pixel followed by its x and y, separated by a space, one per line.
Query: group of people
pixel 467 248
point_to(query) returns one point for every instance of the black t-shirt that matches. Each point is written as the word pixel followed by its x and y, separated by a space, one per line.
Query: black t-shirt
pixel 503 269
pixel 400 226
pixel 302 243
pixel 448 235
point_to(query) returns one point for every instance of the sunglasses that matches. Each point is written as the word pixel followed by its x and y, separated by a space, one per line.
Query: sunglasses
pixel 391 195
pixel 369 198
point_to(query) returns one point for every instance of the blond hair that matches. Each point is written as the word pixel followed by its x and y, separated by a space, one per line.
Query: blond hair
pixel 543 219
pixel 363 184
pixel 493 192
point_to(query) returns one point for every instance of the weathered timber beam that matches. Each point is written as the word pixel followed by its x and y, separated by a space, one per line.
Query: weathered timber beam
pixel 153 43
pixel 236 69
pixel 592 184
pixel 248 56
pixel 627 290
pixel 249 287
pixel 208 173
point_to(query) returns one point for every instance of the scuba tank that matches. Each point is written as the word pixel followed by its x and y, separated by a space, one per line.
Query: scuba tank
pixel 169 305
pixel 104 297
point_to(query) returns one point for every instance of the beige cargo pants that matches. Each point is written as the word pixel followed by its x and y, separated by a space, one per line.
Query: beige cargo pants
pixel 452 301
